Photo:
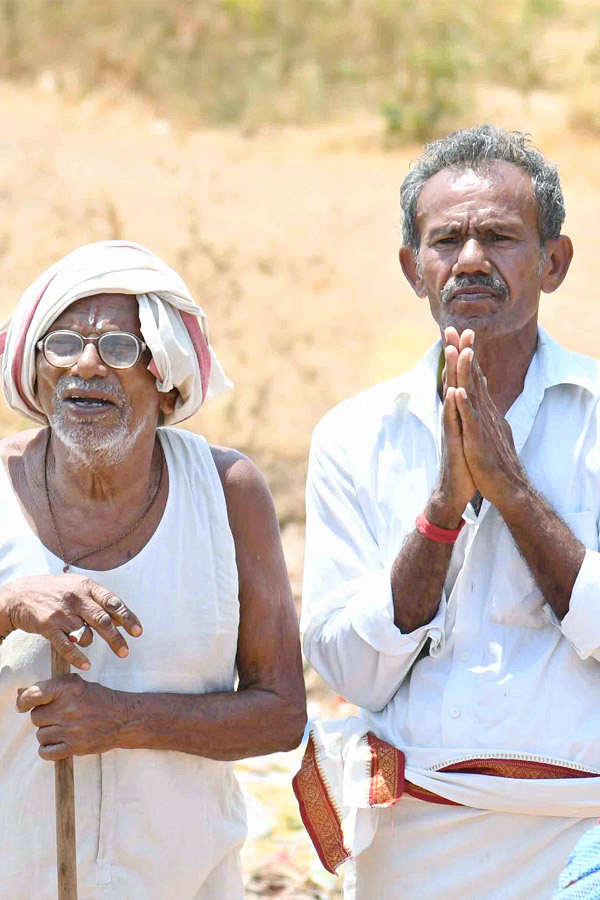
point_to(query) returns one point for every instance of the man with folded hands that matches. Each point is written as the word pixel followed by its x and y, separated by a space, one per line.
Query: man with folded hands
pixel 104 514
pixel 452 582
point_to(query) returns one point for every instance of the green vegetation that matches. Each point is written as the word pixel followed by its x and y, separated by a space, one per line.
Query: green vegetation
pixel 585 100
pixel 416 62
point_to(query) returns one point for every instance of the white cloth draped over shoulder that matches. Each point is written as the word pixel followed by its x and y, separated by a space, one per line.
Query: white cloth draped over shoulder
pixel 172 325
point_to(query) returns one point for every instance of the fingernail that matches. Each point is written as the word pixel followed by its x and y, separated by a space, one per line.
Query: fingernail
pixel 136 631
pixel 123 651
pixel 85 665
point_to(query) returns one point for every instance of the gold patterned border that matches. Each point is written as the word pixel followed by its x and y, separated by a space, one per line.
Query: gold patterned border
pixel 516 768
pixel 387 772
pixel 321 816
pixel 318 811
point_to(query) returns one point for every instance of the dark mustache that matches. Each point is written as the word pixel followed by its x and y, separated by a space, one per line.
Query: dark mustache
pixel 493 283
pixel 74 383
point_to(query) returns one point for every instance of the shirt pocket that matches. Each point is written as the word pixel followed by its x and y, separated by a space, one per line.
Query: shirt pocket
pixel 515 597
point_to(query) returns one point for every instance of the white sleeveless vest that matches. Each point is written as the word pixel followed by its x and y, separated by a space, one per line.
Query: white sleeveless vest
pixel 151 825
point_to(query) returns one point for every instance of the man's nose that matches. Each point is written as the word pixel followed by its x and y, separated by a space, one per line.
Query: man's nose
pixel 89 363
pixel 472 259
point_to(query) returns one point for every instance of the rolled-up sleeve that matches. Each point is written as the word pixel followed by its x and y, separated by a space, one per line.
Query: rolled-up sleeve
pixel 348 611
pixel 581 625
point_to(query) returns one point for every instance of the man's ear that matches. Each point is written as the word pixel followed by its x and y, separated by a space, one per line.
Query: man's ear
pixel 167 401
pixel 408 261
pixel 559 253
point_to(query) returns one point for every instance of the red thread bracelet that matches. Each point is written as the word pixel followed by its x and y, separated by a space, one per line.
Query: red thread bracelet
pixel 434 533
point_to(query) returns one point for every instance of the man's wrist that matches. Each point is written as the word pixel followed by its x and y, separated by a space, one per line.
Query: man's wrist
pixel 515 505
pixel 436 534
pixel 125 737
pixel 131 718
pixel 514 499
pixel 443 513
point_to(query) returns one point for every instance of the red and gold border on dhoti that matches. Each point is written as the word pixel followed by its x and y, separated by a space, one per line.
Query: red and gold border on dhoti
pixel 387 777
pixel 516 768
pixel 387 784
pixel 319 812
pixel 387 772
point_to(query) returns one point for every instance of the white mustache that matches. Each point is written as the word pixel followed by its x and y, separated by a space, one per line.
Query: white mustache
pixel 73 383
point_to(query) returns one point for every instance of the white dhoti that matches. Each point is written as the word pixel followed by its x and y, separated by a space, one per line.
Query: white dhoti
pixel 484 827
pixel 424 851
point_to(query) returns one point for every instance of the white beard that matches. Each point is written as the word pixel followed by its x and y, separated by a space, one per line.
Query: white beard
pixel 96 447
pixel 87 444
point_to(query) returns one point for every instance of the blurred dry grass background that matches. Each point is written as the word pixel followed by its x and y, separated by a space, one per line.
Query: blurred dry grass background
pixel 258 146
pixel 284 222
pixel 299 61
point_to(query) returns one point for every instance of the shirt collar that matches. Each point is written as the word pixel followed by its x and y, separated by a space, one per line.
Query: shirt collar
pixel 560 366
pixel 419 388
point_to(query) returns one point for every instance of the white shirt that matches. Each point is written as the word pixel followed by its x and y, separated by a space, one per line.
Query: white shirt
pixel 499 673
pixel 151 824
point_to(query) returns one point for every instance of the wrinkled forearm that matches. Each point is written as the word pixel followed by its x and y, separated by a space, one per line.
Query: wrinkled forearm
pixel 552 552
pixel 419 571
pixel 224 726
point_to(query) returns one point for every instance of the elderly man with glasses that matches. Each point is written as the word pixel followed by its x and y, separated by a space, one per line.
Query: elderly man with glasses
pixel 105 513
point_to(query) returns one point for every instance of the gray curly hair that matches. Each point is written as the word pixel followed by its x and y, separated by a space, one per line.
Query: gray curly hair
pixel 477 148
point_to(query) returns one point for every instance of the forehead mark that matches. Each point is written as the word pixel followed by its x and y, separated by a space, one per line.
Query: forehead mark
pixel 101 312
pixel 96 313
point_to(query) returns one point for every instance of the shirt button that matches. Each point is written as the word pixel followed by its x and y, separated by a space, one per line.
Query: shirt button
pixel 464 656
pixel 455 712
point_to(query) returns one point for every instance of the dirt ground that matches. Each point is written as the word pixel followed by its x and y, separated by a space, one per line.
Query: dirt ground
pixel 289 239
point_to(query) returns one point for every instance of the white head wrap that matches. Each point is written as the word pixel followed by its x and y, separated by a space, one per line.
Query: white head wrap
pixel 173 327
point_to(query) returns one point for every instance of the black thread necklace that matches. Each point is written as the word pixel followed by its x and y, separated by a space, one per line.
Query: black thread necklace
pixel 68 563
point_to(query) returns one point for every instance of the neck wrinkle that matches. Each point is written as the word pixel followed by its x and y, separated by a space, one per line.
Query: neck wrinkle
pixel 71 481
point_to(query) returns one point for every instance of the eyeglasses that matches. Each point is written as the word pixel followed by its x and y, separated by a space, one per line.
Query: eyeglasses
pixel 118 349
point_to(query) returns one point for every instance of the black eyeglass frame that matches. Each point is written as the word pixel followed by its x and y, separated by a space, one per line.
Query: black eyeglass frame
pixel 41 345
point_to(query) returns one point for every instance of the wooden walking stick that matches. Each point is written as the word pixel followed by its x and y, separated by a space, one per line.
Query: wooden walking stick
pixel 64 797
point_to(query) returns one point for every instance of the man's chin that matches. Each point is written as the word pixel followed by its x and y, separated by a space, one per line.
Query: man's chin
pixel 481 322
pixel 91 444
